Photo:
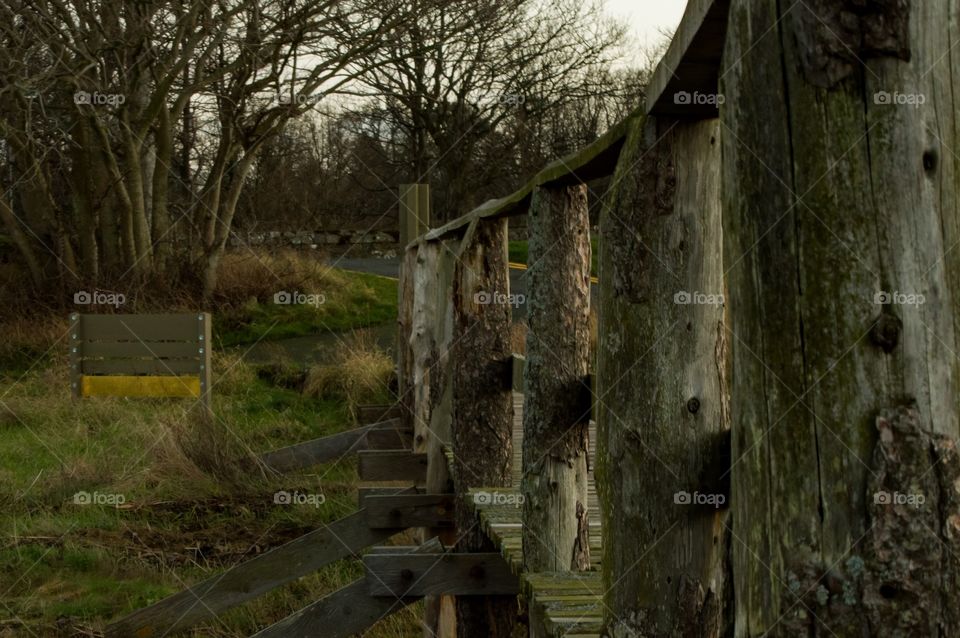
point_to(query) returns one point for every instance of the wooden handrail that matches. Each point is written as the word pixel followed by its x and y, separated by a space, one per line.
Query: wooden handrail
pixel 596 160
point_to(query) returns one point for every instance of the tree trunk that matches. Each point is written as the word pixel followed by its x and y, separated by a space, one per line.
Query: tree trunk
pixel 556 414
pixel 840 223
pixel 663 414
pixel 482 405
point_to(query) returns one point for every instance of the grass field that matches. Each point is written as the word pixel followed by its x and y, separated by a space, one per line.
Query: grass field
pixel 171 504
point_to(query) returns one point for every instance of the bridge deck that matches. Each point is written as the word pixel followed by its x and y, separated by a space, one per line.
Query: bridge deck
pixel 572 603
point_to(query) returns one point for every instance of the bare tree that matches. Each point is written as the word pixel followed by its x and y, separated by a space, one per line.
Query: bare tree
pixel 93 93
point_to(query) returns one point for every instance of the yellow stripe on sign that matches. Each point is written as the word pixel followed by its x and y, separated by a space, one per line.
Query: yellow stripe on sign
pixel 124 386
pixel 517 266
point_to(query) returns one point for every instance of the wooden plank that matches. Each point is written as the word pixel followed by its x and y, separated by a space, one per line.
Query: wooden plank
pixel 122 386
pixel 141 349
pixel 324 449
pixel 252 578
pixel 691 66
pixel 410 510
pixel 459 574
pixel 392 439
pixel 363 493
pixel 172 327
pixel 346 612
pixel 140 366
pixel 392 465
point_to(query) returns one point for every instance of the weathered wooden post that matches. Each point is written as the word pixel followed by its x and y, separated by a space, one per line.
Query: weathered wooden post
pixel 482 402
pixel 840 225
pixel 431 334
pixel 663 422
pixel 556 410
pixel 414 221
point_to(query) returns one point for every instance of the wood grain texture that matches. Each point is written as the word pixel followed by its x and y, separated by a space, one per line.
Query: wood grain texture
pixel 832 196
pixel 663 420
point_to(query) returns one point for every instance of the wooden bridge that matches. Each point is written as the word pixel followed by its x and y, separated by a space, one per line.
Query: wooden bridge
pixel 640 487
pixel 498 450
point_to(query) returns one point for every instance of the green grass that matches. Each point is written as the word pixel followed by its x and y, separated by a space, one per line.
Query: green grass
pixel 359 300
pixel 188 513
pixel 518 252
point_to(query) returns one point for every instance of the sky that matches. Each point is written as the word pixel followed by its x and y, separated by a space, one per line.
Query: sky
pixel 648 17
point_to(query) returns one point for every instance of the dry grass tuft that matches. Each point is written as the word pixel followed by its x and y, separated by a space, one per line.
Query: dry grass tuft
pixel 360 373
pixel 245 276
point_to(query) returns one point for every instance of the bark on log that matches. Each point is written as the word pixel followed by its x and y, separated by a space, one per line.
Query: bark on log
pixel 555 441
pixel 840 222
pixel 663 414
pixel 482 405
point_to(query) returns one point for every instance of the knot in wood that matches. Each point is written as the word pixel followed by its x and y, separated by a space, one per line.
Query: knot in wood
pixel 885 332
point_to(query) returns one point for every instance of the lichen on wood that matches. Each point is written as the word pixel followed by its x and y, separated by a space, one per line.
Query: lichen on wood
pixel 900 577
pixel 834 38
